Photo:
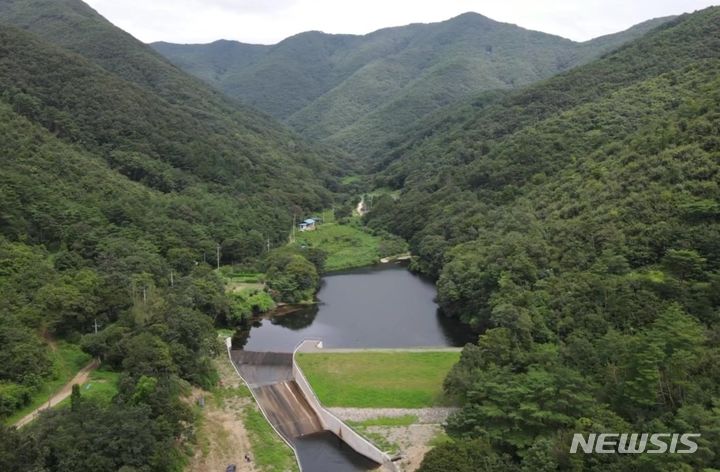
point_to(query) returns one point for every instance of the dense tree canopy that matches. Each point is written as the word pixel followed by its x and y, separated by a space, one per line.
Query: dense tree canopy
pixel 575 225
pixel 361 92
pixel 121 177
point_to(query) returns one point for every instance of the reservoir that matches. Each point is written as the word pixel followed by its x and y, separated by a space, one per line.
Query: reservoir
pixel 385 306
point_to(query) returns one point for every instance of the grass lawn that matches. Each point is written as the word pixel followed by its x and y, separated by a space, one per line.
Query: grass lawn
pixel 67 360
pixel 101 387
pixel 346 245
pixel 379 379
pixel 237 281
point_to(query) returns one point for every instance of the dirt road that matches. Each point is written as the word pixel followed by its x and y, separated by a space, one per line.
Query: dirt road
pixel 80 378
pixel 222 437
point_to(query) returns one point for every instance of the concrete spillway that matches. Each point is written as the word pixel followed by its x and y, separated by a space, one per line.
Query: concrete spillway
pixel 270 377
pixel 321 442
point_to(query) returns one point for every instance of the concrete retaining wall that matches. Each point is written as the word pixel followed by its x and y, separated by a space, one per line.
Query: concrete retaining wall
pixel 330 421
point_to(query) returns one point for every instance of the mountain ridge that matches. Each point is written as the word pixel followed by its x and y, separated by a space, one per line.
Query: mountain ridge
pixel 343 89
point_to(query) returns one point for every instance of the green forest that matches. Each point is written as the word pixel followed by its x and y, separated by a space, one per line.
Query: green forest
pixel 360 93
pixel 565 198
pixel 575 225
pixel 121 179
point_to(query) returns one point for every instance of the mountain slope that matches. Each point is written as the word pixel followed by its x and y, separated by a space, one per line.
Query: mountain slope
pixel 575 224
pixel 153 108
pixel 212 62
pixel 358 92
pixel 437 64
pixel 122 179
pixel 75 26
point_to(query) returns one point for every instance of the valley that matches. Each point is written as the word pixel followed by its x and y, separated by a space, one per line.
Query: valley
pixel 503 238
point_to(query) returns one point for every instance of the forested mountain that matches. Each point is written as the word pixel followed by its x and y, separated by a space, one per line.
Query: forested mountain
pixel 573 223
pixel 358 92
pixel 576 224
pixel 148 121
pixel 120 177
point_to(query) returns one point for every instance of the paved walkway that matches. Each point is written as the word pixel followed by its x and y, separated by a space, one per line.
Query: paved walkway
pixel 435 415
pixel 382 349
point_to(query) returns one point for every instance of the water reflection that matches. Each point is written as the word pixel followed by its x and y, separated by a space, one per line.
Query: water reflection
pixel 297 319
pixel 385 306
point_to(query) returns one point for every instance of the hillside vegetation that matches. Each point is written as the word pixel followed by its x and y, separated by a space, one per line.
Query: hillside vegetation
pixel 571 219
pixel 575 224
pixel 120 177
pixel 361 92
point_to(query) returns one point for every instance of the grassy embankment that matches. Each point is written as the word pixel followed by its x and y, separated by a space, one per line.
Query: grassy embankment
pixel 270 452
pixel 67 360
pixel 379 379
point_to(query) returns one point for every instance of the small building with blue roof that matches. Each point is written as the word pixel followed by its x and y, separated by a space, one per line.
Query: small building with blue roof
pixel 308 225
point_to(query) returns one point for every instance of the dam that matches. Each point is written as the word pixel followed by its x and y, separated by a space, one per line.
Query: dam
pixel 321 441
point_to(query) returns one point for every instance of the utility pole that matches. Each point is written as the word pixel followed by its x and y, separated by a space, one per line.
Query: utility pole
pixel 217 254
pixel 292 232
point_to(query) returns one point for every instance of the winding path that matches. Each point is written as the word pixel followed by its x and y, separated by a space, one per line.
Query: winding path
pixel 80 378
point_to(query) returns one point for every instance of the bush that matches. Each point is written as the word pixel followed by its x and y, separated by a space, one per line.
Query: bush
pixel 249 302
pixel 12 397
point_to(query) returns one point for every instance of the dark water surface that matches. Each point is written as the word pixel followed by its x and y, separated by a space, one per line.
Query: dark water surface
pixel 385 307
pixel 325 452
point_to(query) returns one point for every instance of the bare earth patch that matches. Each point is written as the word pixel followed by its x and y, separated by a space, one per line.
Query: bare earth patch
pixel 222 437
pixel 413 441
